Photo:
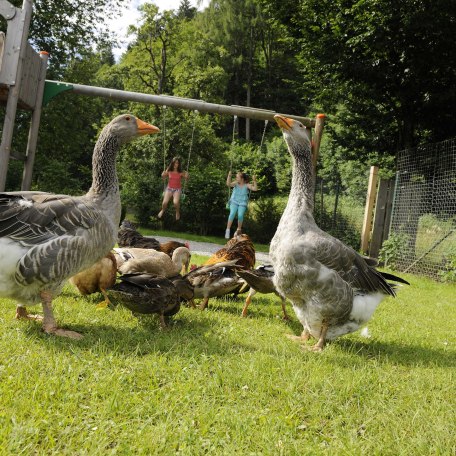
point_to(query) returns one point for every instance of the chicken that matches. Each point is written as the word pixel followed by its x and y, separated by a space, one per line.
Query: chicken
pixel 97 278
pixel 239 248
pixel 130 237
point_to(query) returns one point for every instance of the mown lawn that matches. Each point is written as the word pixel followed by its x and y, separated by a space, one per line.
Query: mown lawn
pixel 215 383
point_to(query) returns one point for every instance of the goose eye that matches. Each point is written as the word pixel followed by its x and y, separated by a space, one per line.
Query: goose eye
pixel 301 125
pixel 127 118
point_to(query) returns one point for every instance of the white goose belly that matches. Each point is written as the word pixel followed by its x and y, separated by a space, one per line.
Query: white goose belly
pixel 311 315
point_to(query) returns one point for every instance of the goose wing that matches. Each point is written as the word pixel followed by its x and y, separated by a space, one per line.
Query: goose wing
pixel 32 218
pixel 357 271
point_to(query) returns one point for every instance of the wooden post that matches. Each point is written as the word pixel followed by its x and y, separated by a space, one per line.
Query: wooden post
pixel 379 218
pixel 370 200
pixel 34 126
pixel 22 23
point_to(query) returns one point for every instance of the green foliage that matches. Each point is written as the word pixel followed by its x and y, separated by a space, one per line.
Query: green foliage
pixel 262 219
pixel 394 249
pixel 448 273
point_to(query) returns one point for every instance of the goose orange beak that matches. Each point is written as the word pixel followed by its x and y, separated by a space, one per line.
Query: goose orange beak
pixel 146 129
pixel 283 122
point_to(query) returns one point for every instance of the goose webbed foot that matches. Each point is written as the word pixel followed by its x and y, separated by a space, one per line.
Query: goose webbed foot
pixel 303 338
pixel 62 332
pixel 318 347
pixel 49 323
pixel 21 314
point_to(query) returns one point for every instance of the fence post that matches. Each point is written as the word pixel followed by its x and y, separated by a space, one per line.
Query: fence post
pixel 368 210
pixel 381 218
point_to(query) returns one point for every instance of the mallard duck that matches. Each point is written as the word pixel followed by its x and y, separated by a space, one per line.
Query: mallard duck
pixel 260 280
pixel 184 288
pixel 45 238
pixel 97 278
pixel 214 280
pixel 146 294
pixel 147 260
pixel 333 289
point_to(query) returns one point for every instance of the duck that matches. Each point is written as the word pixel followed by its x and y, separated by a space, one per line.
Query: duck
pixel 46 238
pixel 131 260
pixel 260 280
pixel 333 289
pixel 97 278
pixel 145 293
pixel 215 280
pixel 129 236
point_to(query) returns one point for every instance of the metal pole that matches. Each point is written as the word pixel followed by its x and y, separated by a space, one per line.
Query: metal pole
pixel 34 125
pixel 184 103
pixel 23 22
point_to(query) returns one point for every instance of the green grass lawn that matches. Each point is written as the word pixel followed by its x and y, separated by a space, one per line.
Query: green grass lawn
pixel 215 383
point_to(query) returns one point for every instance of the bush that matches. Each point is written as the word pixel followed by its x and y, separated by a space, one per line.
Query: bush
pixel 448 274
pixel 394 250
pixel 263 216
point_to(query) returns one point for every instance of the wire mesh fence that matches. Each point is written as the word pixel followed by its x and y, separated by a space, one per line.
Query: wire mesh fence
pixel 339 212
pixel 423 222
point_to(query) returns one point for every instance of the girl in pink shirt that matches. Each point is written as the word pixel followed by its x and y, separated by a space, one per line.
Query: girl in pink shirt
pixel 174 188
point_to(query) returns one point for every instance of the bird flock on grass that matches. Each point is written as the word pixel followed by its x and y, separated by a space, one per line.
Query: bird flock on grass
pixel 47 239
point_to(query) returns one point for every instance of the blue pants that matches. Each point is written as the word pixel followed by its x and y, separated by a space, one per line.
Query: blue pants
pixel 240 212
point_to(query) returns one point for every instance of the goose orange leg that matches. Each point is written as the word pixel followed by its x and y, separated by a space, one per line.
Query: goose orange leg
pixel 284 310
pixel 318 347
pixel 49 323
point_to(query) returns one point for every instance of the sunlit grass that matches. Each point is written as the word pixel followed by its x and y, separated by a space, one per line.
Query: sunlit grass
pixel 216 383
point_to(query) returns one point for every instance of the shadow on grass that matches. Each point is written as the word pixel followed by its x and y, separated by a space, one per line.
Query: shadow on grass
pixel 186 336
pixel 397 353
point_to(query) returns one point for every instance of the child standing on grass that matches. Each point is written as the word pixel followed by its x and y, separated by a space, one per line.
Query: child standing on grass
pixel 239 199
pixel 173 190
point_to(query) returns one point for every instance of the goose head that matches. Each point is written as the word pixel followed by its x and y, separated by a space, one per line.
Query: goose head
pixel 295 134
pixel 127 127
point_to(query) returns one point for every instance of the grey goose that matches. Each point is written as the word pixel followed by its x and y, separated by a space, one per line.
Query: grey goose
pixel 46 238
pixel 333 289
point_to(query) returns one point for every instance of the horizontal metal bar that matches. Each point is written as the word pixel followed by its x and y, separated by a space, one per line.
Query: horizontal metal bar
pixel 184 103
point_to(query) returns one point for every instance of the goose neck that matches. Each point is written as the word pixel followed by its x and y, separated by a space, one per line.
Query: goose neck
pixel 302 184
pixel 104 172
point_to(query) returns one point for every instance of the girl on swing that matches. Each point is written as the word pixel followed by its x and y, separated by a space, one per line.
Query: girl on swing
pixel 173 190
pixel 239 199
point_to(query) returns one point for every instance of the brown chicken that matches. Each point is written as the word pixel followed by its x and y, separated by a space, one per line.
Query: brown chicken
pixel 130 237
pixel 239 248
pixel 97 278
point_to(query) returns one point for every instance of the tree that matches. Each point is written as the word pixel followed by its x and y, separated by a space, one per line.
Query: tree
pixel 64 28
pixel 391 63
pixel 156 42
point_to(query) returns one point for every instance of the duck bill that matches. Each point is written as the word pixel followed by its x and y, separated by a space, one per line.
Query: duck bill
pixel 146 129
pixel 283 122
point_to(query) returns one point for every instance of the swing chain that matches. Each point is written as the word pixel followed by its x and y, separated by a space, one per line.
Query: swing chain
pixel 196 112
